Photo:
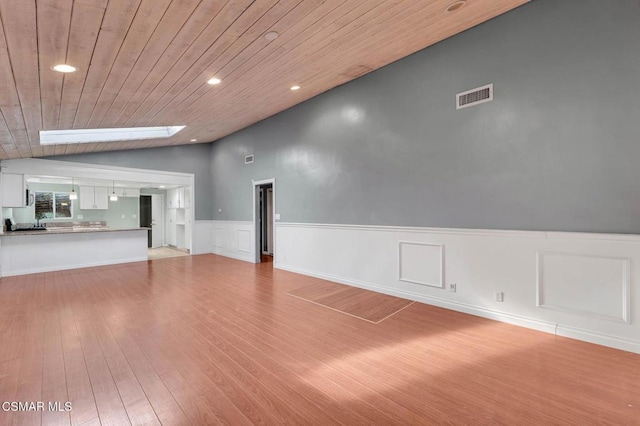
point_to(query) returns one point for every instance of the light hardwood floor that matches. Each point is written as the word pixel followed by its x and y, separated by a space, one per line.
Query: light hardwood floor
pixel 208 340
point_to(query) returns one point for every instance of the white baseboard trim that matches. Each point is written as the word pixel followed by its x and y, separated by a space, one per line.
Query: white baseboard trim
pixel 77 266
pixel 535 324
pixel 246 257
pixel 599 339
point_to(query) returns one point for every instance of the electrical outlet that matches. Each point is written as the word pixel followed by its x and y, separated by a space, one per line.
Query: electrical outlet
pixel 135 216
pixel 499 296
pixel 122 216
pixel 453 287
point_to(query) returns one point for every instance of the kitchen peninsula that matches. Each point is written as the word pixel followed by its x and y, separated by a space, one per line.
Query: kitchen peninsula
pixel 71 247
pixel 92 214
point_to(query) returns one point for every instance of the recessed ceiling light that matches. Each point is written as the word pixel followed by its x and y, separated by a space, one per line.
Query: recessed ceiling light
pixel 456 5
pixel 271 35
pixel 213 81
pixel 193 140
pixel 161 186
pixel 295 87
pixel 64 68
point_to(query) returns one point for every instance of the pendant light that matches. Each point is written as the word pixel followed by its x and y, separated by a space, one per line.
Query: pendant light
pixel 74 194
pixel 113 196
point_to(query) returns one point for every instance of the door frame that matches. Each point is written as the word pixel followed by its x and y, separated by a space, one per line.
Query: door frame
pixel 257 250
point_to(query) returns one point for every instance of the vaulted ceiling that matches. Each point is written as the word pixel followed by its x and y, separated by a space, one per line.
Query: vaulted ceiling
pixel 147 62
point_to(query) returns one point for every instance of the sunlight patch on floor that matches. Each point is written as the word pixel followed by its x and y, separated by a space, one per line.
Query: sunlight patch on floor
pixel 424 352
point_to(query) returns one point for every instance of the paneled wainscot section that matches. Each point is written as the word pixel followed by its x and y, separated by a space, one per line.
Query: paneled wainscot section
pixel 234 239
pixel 573 284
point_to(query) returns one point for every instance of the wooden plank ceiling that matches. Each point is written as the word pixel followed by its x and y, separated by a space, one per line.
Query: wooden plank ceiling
pixel 146 62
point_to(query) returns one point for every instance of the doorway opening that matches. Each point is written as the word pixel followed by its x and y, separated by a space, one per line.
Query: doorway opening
pixel 264 219
pixel 146 218
pixel 152 217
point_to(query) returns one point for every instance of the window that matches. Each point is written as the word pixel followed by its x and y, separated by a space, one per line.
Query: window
pixel 53 205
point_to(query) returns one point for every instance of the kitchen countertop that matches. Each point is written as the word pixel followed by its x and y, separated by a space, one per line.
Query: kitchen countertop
pixel 68 230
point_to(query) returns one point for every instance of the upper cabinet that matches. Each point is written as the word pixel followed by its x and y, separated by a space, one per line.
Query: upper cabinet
pixel 172 196
pixel 175 198
pixel 181 198
pixel 13 190
pixel 187 197
pixel 94 198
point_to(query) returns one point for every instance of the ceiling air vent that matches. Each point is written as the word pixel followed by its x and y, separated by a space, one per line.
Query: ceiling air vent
pixel 248 159
pixel 476 96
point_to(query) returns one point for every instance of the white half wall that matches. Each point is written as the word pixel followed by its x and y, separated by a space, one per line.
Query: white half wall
pixel 203 237
pixel 30 254
pixel 573 284
pixel 233 239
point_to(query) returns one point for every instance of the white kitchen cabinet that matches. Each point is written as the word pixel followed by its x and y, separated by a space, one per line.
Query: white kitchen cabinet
pixel 181 198
pixel 175 198
pixel 128 192
pixel 13 190
pixel 101 198
pixel 86 197
pixel 94 198
pixel 186 197
pixel 172 197
pixel 171 228
pixel 179 217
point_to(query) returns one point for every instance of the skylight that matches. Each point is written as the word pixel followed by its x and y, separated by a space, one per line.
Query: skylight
pixel 56 137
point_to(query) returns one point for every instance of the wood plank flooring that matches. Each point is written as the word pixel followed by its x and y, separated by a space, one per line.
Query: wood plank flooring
pixel 210 340
pixel 366 305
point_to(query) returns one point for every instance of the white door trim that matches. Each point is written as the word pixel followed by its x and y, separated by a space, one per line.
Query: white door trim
pixel 257 250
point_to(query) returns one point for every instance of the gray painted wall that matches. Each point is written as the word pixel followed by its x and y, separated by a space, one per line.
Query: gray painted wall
pixel 185 159
pixel 558 149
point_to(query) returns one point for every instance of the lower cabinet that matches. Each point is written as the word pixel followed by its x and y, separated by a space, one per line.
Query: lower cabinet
pixel 179 228
pixel 179 217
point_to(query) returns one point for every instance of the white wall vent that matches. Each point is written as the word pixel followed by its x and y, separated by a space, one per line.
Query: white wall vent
pixel 248 159
pixel 476 96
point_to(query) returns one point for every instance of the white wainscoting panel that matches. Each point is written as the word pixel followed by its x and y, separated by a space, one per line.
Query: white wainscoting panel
pixel 218 240
pixel 421 263
pixel 600 268
pixel 584 285
pixel 233 239
pixel 203 237
pixel 244 240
